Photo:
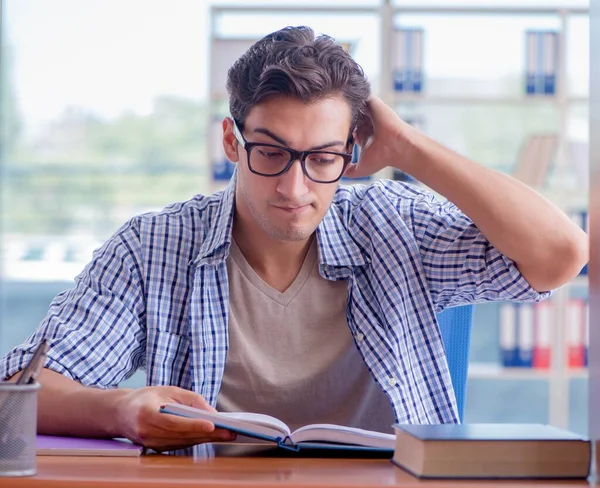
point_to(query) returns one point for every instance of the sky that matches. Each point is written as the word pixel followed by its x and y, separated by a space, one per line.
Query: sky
pixel 110 56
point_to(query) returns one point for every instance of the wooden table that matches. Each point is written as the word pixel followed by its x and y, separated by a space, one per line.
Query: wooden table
pixel 255 472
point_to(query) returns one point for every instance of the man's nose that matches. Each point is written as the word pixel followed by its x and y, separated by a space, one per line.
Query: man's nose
pixel 292 183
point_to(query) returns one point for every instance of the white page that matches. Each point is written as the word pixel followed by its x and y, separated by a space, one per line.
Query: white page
pixel 342 434
pixel 252 422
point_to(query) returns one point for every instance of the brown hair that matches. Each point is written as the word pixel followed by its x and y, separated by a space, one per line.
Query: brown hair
pixel 293 62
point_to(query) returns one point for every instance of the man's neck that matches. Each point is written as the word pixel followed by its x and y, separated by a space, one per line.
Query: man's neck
pixel 276 262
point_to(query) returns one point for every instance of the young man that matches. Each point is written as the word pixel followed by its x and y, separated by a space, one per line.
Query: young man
pixel 285 293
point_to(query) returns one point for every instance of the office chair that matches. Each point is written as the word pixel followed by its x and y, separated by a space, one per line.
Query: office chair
pixel 455 327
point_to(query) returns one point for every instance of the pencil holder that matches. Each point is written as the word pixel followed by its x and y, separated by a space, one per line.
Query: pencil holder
pixel 18 428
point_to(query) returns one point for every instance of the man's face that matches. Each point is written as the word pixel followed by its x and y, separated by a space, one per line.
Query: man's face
pixel 288 207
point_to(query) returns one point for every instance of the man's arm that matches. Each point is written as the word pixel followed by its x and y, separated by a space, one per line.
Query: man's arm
pixel 65 407
pixel 546 246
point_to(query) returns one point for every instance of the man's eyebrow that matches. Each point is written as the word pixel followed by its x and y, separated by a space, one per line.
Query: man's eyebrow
pixel 283 142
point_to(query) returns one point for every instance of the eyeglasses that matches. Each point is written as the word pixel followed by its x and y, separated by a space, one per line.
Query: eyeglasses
pixel 274 160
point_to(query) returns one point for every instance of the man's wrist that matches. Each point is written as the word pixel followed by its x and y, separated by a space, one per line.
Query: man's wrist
pixel 103 408
pixel 407 142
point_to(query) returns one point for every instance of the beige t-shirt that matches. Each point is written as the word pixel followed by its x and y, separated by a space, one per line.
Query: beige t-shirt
pixel 291 354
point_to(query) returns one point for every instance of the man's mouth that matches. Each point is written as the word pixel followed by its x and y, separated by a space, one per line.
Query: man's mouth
pixel 293 209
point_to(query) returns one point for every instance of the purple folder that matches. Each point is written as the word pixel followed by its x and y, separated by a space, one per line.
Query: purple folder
pixel 47 445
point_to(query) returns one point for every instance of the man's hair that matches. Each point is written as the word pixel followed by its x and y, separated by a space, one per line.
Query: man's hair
pixel 293 62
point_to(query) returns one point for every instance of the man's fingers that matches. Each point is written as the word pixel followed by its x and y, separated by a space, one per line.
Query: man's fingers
pixel 191 399
pixel 216 434
pixel 175 423
pixel 378 109
pixel 165 443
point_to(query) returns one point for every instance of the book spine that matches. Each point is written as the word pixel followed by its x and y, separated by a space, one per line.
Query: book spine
pixel 574 332
pixel 542 350
pixel 586 333
pixel 355 157
pixel 222 168
pixel 530 62
pixel 287 443
pixel 525 331
pixel 417 60
pixel 581 218
pixel 539 62
pixel 399 59
pixel 508 334
pixel 550 62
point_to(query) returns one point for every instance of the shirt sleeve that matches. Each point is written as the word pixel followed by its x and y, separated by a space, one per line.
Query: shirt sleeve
pixel 96 331
pixel 460 264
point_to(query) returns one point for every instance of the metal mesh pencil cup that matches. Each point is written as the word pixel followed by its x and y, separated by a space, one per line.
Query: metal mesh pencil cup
pixel 18 428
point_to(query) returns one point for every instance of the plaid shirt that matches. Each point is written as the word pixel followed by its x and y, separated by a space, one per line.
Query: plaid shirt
pixel 156 295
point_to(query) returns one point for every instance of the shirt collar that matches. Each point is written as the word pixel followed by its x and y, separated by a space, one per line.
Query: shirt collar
pixel 217 240
pixel 337 247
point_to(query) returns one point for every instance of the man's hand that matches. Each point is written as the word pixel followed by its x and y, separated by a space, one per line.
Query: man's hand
pixel 384 139
pixel 139 419
pixel 519 222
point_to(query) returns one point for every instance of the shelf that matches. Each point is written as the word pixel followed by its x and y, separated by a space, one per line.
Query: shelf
pixel 299 7
pixel 495 371
pixel 489 9
pixel 580 281
pixel 413 97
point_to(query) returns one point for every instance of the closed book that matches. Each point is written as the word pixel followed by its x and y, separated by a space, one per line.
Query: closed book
pixel 47 445
pixel 491 451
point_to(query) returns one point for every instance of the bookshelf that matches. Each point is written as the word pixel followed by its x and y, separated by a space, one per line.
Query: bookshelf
pixel 443 106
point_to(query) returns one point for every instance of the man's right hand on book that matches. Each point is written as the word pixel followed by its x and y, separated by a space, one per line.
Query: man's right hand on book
pixel 139 419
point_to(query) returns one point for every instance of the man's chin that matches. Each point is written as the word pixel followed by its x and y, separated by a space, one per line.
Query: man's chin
pixel 296 233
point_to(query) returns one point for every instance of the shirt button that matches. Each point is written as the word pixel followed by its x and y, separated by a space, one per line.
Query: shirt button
pixel 393 381
pixel 359 337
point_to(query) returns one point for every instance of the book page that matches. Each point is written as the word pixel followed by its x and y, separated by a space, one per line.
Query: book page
pixel 258 419
pixel 244 422
pixel 343 435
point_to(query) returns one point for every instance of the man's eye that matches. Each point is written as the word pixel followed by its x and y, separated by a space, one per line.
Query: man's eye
pixel 271 154
pixel 322 159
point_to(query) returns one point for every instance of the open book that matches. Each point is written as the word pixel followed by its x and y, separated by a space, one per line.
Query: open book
pixel 269 428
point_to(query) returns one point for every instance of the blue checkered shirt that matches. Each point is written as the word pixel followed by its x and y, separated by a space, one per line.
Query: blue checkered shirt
pixel 156 295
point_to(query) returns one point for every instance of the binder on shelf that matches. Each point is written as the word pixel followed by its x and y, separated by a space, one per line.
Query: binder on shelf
pixel 508 335
pixel 222 168
pixel 542 349
pixel 399 59
pixel 416 61
pixel 530 70
pixel 525 335
pixel 586 333
pixel 541 62
pixel 574 329
pixel 550 61
pixel 351 181
pixel 581 218
pixel 407 59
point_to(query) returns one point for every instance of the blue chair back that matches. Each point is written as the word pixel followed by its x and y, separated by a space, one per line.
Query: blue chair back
pixel 455 327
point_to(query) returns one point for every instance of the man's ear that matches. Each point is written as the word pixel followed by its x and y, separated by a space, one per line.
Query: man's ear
pixel 231 145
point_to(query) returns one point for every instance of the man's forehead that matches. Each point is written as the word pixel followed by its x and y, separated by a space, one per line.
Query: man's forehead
pixel 283 106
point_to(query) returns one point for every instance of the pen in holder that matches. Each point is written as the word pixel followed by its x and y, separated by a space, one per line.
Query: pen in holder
pixel 18 428
pixel 18 418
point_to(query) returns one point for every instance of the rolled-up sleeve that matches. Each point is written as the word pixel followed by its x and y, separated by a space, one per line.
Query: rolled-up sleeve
pixel 96 331
pixel 460 264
